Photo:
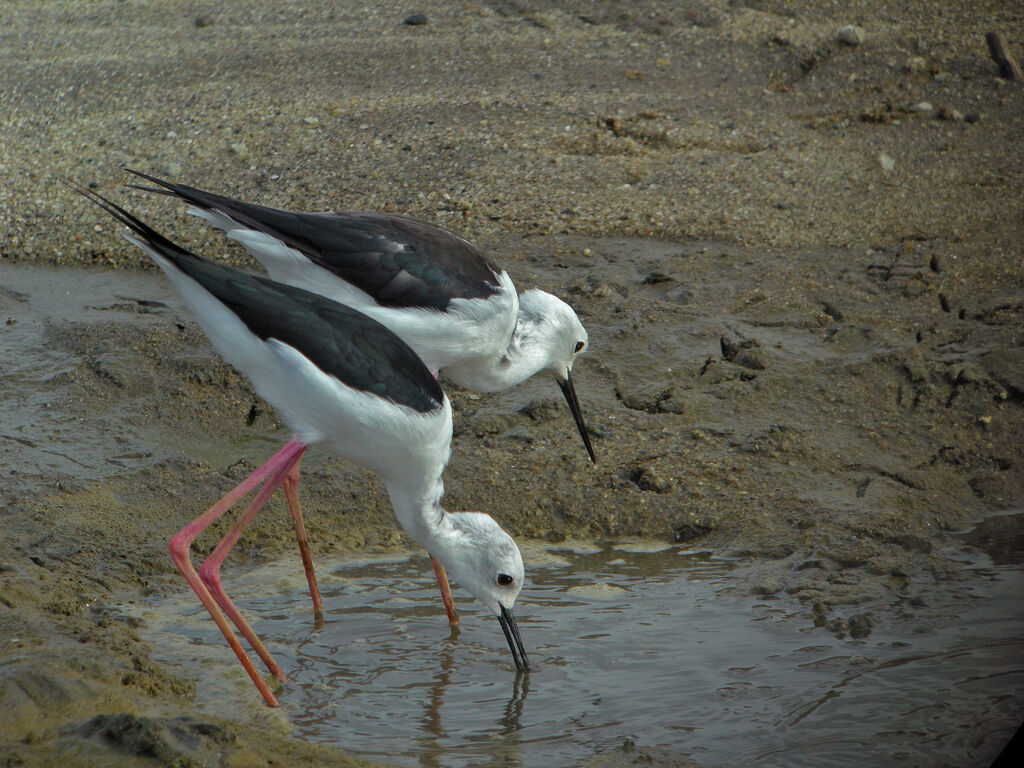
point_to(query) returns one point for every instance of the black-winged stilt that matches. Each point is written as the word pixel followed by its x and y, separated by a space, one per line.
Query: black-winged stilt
pixel 436 290
pixel 339 379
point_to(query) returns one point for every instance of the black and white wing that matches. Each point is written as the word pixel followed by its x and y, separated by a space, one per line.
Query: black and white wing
pixel 397 261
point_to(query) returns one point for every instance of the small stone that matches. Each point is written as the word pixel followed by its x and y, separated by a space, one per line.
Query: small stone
pixel 649 479
pixel 948 113
pixel 922 106
pixel 203 20
pixel 239 148
pixel 751 358
pixel 542 409
pixel 311 120
pixel 851 34
pixel 915 64
pixel 767 586
pixel 415 20
pixel 860 625
pixel 172 168
pixel 984 420
pixel 886 162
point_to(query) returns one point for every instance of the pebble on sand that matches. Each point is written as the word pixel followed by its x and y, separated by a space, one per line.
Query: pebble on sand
pixel 851 34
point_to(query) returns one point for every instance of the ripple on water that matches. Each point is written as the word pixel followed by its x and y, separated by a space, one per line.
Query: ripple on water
pixel 652 648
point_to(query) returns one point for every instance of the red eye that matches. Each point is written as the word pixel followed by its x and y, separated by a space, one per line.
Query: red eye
pixel 579 347
pixel 504 579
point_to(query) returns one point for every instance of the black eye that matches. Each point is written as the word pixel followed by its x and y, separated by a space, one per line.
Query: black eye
pixel 579 347
pixel 504 579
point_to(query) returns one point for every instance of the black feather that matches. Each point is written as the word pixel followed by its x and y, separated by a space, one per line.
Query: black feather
pixel 400 262
pixel 357 350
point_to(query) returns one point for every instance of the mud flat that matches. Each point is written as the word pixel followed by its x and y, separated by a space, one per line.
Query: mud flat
pixel 796 258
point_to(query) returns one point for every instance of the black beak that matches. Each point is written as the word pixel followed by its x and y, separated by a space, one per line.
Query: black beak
pixel 515 642
pixel 574 405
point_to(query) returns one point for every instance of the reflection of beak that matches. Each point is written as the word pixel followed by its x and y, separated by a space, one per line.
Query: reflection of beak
pixel 574 405
pixel 515 642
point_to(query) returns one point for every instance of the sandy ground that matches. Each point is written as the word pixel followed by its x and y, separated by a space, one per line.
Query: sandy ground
pixel 799 261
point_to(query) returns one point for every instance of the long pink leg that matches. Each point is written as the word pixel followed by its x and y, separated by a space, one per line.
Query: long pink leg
pixel 446 590
pixel 180 547
pixel 209 571
pixel 291 492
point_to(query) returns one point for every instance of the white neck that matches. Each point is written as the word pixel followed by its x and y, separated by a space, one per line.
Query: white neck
pixel 418 508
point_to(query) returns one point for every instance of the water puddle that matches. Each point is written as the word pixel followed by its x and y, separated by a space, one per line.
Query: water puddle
pixel 634 646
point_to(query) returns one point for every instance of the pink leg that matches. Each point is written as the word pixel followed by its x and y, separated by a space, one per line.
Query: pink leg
pixel 181 544
pixel 291 492
pixel 209 572
pixel 446 590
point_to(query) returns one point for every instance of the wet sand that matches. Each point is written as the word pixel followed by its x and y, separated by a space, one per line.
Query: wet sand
pixel 803 288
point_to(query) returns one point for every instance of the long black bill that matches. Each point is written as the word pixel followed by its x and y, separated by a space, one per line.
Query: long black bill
pixel 515 642
pixel 574 405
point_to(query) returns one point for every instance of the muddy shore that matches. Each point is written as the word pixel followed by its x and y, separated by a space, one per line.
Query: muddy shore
pixel 799 262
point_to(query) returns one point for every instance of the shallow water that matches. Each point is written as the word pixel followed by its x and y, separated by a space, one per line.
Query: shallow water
pixel 655 649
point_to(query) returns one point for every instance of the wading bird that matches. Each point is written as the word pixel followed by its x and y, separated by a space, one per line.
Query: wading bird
pixel 342 380
pixel 436 290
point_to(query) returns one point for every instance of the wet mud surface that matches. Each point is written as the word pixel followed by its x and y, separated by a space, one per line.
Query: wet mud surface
pixel 799 359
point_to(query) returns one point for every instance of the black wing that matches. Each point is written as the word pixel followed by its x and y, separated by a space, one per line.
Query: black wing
pixel 352 347
pixel 400 262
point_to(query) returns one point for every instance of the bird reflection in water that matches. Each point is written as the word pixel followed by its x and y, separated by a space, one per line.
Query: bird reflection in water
pixel 432 742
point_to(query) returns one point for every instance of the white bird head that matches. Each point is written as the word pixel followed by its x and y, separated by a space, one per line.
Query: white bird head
pixel 484 559
pixel 548 323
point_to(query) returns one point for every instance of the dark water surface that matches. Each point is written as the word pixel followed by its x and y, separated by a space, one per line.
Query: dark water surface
pixel 648 648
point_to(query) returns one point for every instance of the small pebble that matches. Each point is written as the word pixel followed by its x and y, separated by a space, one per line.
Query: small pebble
pixel 922 106
pixel 851 34
pixel 415 19
pixel 886 162
pixel 751 358
pixel 239 148
pixel 203 20
pixel 915 64
pixel 311 120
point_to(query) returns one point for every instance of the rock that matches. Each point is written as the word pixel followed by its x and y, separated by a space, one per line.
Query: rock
pixel 750 358
pixel 239 148
pixel 767 586
pixel 860 625
pixel 886 162
pixel 851 34
pixel 915 64
pixel 644 397
pixel 922 106
pixel 649 479
pixel 415 20
pixel 692 529
pixel 203 20
pixel 948 113
pixel 542 409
